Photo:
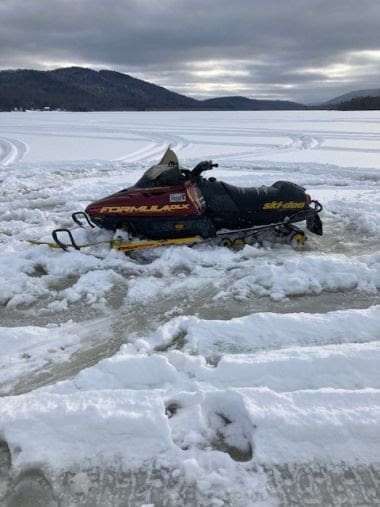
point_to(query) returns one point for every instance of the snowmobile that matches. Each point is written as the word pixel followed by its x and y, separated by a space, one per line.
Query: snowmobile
pixel 170 205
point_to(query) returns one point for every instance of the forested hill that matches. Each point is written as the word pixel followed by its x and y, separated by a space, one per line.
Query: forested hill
pixel 360 104
pixel 81 89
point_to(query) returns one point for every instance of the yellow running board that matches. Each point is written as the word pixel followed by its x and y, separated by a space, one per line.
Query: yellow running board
pixel 47 243
pixel 129 246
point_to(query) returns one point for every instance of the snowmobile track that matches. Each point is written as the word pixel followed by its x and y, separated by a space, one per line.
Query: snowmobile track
pixel 12 151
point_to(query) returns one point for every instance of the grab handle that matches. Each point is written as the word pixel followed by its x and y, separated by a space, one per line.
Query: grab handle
pixel 64 246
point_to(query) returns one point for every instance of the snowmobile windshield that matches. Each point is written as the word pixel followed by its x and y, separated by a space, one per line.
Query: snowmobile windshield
pixel 160 176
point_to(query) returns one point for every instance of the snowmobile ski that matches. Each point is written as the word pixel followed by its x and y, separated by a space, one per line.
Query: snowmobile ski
pixel 230 239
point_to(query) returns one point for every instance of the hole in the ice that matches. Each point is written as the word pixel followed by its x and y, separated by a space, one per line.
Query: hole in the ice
pixel 236 453
pixel 172 408
pixel 243 452
pixel 31 488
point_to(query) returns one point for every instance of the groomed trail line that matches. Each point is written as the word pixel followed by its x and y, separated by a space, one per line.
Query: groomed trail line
pixel 12 151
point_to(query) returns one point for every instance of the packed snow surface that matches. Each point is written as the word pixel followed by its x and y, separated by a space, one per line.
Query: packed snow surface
pixel 189 376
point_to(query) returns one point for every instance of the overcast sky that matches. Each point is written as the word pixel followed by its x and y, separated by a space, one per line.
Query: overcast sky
pixel 306 50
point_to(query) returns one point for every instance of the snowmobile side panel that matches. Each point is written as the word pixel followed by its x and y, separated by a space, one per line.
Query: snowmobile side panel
pixel 122 209
pixel 171 227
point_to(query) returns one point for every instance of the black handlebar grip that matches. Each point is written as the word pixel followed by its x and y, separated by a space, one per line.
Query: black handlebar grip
pixel 206 165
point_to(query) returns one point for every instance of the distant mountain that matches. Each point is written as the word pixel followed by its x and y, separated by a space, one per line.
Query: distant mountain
pixel 81 89
pixel 360 104
pixel 245 104
pixel 373 92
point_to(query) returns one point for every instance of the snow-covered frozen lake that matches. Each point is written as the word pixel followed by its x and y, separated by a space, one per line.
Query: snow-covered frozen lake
pixel 189 376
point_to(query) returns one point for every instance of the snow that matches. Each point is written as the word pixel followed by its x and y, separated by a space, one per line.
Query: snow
pixel 262 331
pixel 327 137
pixel 191 376
pixel 31 349
pixel 131 421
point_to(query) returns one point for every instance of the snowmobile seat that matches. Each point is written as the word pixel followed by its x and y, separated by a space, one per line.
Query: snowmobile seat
pixel 246 199
pixel 250 199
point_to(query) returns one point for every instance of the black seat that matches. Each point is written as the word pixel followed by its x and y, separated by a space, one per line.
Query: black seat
pixel 246 199
pixel 251 199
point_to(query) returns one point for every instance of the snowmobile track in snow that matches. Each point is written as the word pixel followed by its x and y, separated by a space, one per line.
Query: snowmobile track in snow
pixel 12 151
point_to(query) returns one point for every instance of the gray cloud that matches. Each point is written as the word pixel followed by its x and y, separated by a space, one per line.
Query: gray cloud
pixel 301 49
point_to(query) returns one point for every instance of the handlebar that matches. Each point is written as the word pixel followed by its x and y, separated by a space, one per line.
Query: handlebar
pixel 206 165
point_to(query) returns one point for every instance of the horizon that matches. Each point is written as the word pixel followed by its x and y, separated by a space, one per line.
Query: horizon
pixel 303 51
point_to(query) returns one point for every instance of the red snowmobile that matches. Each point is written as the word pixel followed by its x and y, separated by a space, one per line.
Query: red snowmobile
pixel 171 205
